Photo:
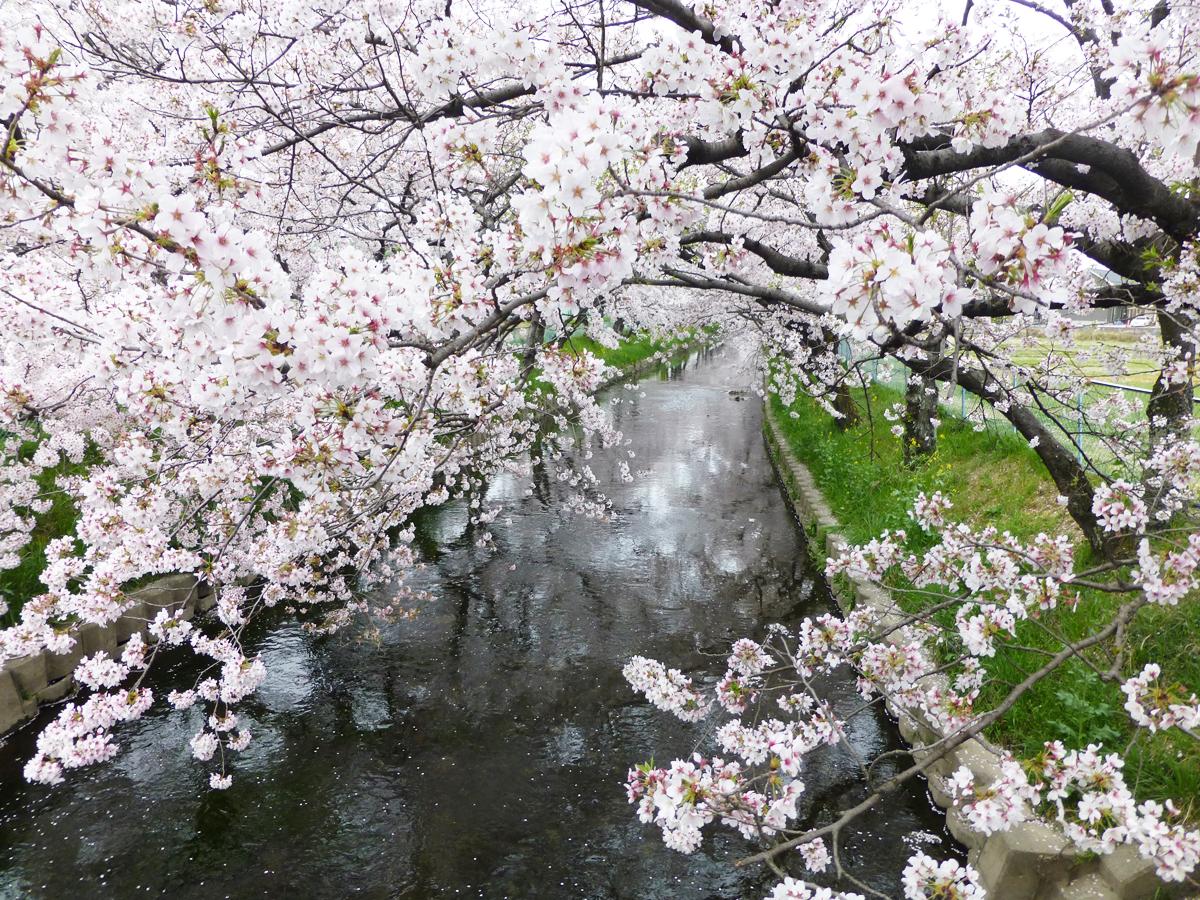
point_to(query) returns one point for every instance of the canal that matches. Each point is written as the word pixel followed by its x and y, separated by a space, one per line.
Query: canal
pixel 479 749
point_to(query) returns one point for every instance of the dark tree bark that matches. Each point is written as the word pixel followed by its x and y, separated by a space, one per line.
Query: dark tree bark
pixel 1170 406
pixel 537 334
pixel 843 401
pixel 920 409
pixel 1169 410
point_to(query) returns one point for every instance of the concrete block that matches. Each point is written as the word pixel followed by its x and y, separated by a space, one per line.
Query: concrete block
pixel 1129 874
pixel 14 708
pixel 823 517
pixel 843 593
pixel 1089 887
pixel 1020 863
pixel 802 509
pixel 872 596
pixel 95 638
pixel 979 758
pixel 133 621
pixel 155 599
pixel 206 597
pixel 845 603
pixel 29 672
pixel 170 592
pixel 801 476
pixel 942 768
pixel 835 544
pixel 46 677
pixel 824 522
pixel 820 534
pixel 910 730
pixel 963 832
pixel 914 728
pixel 939 793
pixel 56 690
pixel 926 723
pixel 59 665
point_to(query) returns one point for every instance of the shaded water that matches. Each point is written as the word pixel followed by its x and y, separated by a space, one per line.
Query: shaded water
pixel 480 749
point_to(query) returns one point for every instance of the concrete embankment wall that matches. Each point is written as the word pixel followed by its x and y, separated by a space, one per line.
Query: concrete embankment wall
pixel 27 682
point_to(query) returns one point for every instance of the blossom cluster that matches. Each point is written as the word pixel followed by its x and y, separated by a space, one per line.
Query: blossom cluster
pixel 997 806
pixel 925 877
pixel 755 786
pixel 1014 246
pixel 1162 87
pixel 688 795
pixel 667 689
pixel 1086 792
pixel 1157 706
pixel 890 277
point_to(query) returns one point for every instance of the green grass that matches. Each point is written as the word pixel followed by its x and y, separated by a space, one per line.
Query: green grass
pixel 19 584
pixel 995 478
pixel 1086 354
pixel 632 350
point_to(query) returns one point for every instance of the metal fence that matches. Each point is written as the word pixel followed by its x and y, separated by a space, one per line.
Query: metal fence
pixel 1068 417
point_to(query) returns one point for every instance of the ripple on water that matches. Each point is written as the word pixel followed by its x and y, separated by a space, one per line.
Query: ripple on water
pixel 287 655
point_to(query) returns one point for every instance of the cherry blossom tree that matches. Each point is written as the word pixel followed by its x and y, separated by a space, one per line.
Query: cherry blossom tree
pixel 278 275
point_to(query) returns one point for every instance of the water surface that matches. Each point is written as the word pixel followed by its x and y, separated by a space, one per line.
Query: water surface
pixel 479 750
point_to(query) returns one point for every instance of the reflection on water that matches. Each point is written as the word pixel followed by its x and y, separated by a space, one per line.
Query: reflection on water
pixel 479 749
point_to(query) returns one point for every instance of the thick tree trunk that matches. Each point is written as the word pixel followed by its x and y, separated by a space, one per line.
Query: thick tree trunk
pixel 1170 408
pixel 920 409
pixel 843 401
pixel 537 334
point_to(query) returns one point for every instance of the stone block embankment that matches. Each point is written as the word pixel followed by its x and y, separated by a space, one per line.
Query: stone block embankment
pixel 27 682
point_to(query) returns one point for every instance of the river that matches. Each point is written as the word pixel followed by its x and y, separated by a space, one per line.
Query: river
pixel 479 749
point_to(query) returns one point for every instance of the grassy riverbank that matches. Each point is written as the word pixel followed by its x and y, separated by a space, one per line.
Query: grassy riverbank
pixel 997 479
pixel 19 584
pixel 638 348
